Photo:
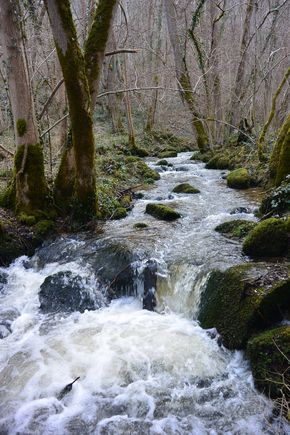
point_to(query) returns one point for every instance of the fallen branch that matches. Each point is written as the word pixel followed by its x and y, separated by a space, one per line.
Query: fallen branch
pixel 54 125
pixel 6 150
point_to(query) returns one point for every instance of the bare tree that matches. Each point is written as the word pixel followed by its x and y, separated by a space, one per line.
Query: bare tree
pixel 28 191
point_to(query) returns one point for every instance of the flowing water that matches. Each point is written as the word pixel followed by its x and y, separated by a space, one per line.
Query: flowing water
pixel 141 372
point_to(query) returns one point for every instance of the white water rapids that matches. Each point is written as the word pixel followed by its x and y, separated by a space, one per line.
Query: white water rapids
pixel 140 372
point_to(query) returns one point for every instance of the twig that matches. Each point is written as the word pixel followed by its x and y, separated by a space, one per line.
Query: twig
pixel 48 101
pixel 6 150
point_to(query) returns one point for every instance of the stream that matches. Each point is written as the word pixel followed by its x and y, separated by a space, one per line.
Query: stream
pixel 141 372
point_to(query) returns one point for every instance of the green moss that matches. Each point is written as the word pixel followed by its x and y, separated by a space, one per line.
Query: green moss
pixel 162 163
pixel 239 179
pixel 240 301
pixel 185 188
pixel 268 354
pixel 167 154
pixel 235 229
pixel 162 212
pixel 138 151
pixel 283 169
pixel 140 225
pixel 32 193
pixel 268 239
pixel 21 127
pixel 120 213
pixel 218 162
pixel 44 227
pixel 28 220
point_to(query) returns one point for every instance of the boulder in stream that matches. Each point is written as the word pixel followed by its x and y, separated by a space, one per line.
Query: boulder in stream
pixel 185 188
pixel 268 353
pixel 236 229
pixel 239 179
pixel 67 292
pixel 245 299
pixel 270 238
pixel 163 212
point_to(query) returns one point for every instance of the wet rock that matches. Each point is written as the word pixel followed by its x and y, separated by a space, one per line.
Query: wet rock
pixel 4 332
pixel 110 261
pixel 162 162
pixel 150 282
pixel 268 353
pixel 3 280
pixel 239 179
pixel 238 210
pixel 66 292
pixel 162 212
pixel 140 225
pixel 7 317
pixel 185 188
pixel 270 238
pixel 181 169
pixel 236 229
pixel 245 299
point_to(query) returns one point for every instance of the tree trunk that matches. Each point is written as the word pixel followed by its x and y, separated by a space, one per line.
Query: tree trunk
pixel 74 73
pixel 28 191
pixel 183 76
pixel 278 159
pixel 239 82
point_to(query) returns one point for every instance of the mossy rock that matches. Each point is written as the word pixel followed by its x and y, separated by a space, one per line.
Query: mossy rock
pixel 120 213
pixel 245 299
pixel 218 162
pixel 185 188
pixel 167 154
pixel 270 238
pixel 139 152
pixel 162 212
pixel 140 225
pixel 162 163
pixel 203 157
pixel 239 179
pixel 269 353
pixel 236 229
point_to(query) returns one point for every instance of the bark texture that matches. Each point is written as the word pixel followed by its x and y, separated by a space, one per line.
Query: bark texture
pixel 28 191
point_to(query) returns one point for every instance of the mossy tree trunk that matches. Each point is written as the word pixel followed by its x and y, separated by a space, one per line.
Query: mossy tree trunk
pixel 28 191
pixel 74 73
pixel 278 164
pixel 81 75
pixel 183 77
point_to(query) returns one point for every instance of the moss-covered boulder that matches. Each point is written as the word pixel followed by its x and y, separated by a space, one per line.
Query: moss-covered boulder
pixel 239 179
pixel 245 299
pixel 119 213
pixel 167 154
pixel 218 162
pixel 268 353
pixel 140 225
pixel 139 151
pixel 162 162
pixel 162 212
pixel 236 229
pixel 185 188
pixel 270 238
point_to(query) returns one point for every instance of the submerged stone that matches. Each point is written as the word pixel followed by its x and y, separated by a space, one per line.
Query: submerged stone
pixel 185 188
pixel 270 238
pixel 163 212
pixel 239 179
pixel 245 299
